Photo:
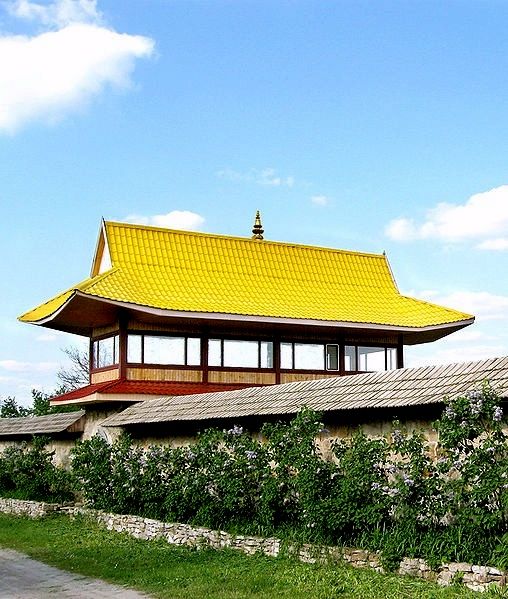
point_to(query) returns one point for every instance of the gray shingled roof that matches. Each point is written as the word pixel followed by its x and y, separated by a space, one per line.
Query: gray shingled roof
pixel 395 388
pixel 33 425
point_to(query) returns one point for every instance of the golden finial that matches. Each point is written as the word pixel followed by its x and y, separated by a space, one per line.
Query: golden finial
pixel 257 229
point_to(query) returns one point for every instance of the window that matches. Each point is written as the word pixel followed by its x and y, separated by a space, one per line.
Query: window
pixel 309 356
pixel 238 353
pixel 332 357
pixel 286 355
pixel 214 352
pixel 350 358
pixel 164 350
pixel 135 349
pixel 391 358
pixel 369 359
pixel 105 352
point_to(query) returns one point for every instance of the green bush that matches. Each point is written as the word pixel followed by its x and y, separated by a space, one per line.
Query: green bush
pixel 389 494
pixel 27 472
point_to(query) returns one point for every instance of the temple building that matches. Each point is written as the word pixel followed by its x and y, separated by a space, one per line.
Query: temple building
pixel 172 312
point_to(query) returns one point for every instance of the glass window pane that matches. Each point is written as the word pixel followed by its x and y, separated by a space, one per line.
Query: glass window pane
pixel 332 357
pixel 105 352
pixel 116 349
pixel 134 349
pixel 193 351
pixel 286 355
pixel 266 354
pixel 241 353
pixel 391 358
pixel 350 358
pixel 214 352
pixel 371 358
pixel 164 350
pixel 309 356
pixel 95 354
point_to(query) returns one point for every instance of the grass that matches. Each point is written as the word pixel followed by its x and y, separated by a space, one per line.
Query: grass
pixel 166 571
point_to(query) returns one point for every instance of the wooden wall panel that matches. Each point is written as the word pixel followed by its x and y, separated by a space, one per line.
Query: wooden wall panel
pixel 105 375
pixel 164 374
pixel 290 377
pixel 255 378
pixel 134 325
pixel 371 339
pixel 99 331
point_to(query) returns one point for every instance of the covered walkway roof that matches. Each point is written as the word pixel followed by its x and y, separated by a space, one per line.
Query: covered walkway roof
pixel 396 388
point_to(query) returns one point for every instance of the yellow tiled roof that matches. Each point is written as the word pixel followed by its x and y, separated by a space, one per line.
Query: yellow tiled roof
pixel 196 272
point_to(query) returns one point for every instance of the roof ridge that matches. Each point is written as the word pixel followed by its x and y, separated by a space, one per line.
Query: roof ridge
pixel 249 240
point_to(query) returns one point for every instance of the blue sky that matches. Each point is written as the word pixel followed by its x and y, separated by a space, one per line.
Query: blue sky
pixel 359 125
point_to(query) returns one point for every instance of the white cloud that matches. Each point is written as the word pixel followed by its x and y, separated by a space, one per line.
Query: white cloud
pixel 46 337
pixel 482 304
pixel 401 229
pixel 266 176
pixel 18 366
pixel 51 74
pixel 320 200
pixel 498 244
pixel 59 13
pixel 426 356
pixel 176 219
pixel 482 219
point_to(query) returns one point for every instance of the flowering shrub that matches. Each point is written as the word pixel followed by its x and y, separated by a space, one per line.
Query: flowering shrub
pixel 393 493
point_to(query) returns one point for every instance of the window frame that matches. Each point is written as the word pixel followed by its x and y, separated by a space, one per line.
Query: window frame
pixel 249 340
pixel 385 348
pixel 325 345
pixel 95 352
pixel 143 335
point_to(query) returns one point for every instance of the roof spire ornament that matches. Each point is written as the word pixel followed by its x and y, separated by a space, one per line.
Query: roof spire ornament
pixel 257 229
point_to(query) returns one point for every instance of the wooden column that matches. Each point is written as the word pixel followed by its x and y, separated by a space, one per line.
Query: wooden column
pixel 122 332
pixel 400 352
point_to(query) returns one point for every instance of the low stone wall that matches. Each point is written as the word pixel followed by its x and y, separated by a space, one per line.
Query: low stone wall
pixel 31 509
pixel 477 578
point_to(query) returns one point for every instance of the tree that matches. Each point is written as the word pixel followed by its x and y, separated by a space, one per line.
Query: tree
pixel 10 409
pixel 78 374
pixel 41 406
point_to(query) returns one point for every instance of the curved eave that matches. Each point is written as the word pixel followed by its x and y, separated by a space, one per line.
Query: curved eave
pixel 92 311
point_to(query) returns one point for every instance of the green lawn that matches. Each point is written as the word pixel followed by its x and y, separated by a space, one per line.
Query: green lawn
pixel 166 571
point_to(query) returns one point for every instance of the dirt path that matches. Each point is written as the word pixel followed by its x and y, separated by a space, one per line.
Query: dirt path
pixel 24 578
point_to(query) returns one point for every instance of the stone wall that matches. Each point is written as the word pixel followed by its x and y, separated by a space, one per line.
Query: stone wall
pixel 31 509
pixel 477 578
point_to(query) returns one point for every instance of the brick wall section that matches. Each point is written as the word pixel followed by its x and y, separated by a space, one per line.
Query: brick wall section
pixel 477 578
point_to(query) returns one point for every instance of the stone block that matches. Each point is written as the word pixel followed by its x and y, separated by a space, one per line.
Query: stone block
pixel 459 567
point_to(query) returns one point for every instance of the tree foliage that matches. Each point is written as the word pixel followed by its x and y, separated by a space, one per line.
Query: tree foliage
pixel 9 408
